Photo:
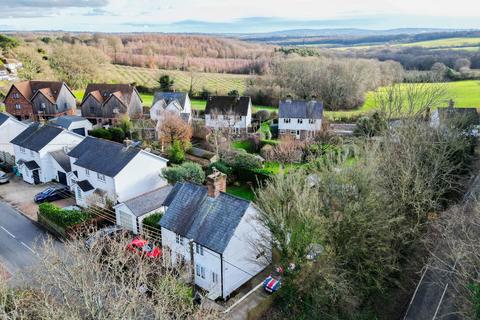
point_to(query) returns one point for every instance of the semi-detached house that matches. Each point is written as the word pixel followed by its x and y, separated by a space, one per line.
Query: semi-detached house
pixel 300 119
pixel 229 244
pixel 10 127
pixel 35 148
pixel 109 171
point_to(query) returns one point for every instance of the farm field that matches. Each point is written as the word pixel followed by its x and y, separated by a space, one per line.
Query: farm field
pixel 217 83
pixel 469 44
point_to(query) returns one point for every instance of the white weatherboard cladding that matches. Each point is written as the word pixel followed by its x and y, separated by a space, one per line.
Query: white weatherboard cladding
pixel 9 130
pixel 141 175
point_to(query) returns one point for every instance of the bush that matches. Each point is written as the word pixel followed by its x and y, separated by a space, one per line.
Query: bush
pixel 189 171
pixel 101 133
pixel 176 154
pixel 370 126
pixel 241 160
pixel 222 167
pixel 153 220
pixel 63 218
pixel 118 135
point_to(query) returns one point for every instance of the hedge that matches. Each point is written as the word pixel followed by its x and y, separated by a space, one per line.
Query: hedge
pixel 63 218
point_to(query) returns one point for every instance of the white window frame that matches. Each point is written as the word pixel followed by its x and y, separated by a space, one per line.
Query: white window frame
pixel 32 153
pixel 87 172
pixel 214 277
pixel 22 149
pixel 287 120
pixel 178 239
pixel 300 121
pixel 79 193
pixel 312 121
pixel 18 106
pixel 101 177
pixel 200 271
pixel 199 249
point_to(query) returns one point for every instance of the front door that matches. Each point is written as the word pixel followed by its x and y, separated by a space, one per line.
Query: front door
pixel 62 178
pixel 36 176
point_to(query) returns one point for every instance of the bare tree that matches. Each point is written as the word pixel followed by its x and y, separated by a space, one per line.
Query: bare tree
pixel 171 127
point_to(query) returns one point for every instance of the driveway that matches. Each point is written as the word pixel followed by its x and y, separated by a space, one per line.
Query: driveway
pixel 19 194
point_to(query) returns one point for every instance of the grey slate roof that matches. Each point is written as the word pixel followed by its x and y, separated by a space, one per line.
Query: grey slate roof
pixel 102 156
pixel 210 222
pixel 3 117
pixel 149 201
pixel 300 109
pixel 226 104
pixel 36 138
pixel 168 97
pixel 32 165
pixel 85 185
pixel 62 159
pixel 469 113
pixel 66 121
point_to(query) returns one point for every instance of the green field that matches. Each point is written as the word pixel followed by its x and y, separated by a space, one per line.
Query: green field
pixel 446 43
pixel 217 83
pixel 466 94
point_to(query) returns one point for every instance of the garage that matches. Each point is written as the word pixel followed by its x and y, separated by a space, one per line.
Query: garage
pixel 62 178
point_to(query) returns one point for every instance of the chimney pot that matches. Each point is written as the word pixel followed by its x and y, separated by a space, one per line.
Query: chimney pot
pixel 216 183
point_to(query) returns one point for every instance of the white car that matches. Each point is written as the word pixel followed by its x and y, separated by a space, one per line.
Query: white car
pixel 4 177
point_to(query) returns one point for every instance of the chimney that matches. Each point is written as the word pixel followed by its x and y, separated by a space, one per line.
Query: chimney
pixel 216 183
pixel 314 98
pixel 289 99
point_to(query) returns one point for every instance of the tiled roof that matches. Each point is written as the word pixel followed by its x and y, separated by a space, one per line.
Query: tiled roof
pixel 62 159
pixel 226 104
pixel 103 91
pixel 149 201
pixel 50 89
pixel 66 121
pixel 102 156
pixel 210 222
pixel 85 185
pixel 168 97
pixel 36 138
pixel 300 109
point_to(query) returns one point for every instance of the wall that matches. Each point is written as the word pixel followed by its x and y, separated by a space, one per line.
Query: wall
pixel 135 108
pixel 112 104
pixel 9 130
pixel 91 102
pixel 240 256
pixel 294 125
pixel 133 219
pixel 87 125
pixel 108 185
pixel 141 175
pixel 26 111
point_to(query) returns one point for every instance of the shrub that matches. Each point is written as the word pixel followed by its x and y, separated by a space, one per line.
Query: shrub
pixel 152 221
pixel 370 126
pixel 101 133
pixel 189 171
pixel 242 160
pixel 176 154
pixel 222 167
pixel 63 218
pixel 118 135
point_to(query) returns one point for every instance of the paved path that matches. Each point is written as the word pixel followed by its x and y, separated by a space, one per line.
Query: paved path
pixel 18 239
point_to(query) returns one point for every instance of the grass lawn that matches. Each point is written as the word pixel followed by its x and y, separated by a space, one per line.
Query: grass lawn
pixel 243 191
pixel 243 144
pixel 445 43
pixel 275 167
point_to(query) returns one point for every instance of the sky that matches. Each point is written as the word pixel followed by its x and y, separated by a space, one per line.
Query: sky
pixel 235 16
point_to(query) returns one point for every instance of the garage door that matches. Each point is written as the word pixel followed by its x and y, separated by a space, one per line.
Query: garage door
pixel 126 221
pixel 62 178
pixel 80 131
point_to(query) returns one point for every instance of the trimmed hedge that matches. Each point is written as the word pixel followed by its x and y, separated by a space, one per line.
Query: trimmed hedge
pixel 61 217
pixel 153 220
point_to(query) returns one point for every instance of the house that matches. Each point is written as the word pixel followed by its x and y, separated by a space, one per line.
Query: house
pixel 12 65
pixel 130 214
pixel 33 148
pixel 109 171
pixel 229 113
pixel 40 99
pixel 107 103
pixel 10 127
pixel 440 116
pixel 299 118
pixel 4 75
pixel 76 124
pixel 176 102
pixel 229 244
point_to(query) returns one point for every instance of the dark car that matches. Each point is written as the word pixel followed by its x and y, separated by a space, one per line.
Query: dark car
pixel 53 194
pixel 108 232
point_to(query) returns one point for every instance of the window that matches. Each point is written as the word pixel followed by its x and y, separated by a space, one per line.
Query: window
pixel 214 277
pixel 92 109
pixel 18 106
pixel 198 249
pixel 283 131
pixel 125 220
pixel 179 239
pixel 43 106
pixel 16 96
pixel 299 121
pixel 22 149
pixel 87 172
pixel 101 177
pixel 312 121
pixel 286 120
pixel 32 153
pixel 200 271
pixel 79 193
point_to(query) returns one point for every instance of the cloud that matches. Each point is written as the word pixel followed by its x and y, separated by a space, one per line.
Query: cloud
pixel 52 3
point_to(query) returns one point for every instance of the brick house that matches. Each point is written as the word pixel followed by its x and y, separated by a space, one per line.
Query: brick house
pixel 40 99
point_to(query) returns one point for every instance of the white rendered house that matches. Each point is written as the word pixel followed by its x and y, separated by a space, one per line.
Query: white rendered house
pixel 33 148
pixel 76 124
pixel 109 170
pixel 225 112
pixel 175 102
pixel 300 119
pixel 229 244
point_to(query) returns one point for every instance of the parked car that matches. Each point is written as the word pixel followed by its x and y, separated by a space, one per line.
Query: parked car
pixel 144 248
pixel 4 177
pixel 53 194
pixel 274 281
pixel 108 232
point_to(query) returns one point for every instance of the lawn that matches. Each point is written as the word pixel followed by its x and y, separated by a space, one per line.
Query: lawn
pixel 243 191
pixel 445 43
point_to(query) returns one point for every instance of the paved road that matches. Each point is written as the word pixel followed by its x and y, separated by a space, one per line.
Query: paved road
pixel 18 238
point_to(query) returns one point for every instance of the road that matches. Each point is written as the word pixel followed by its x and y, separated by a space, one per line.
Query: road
pixel 18 239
